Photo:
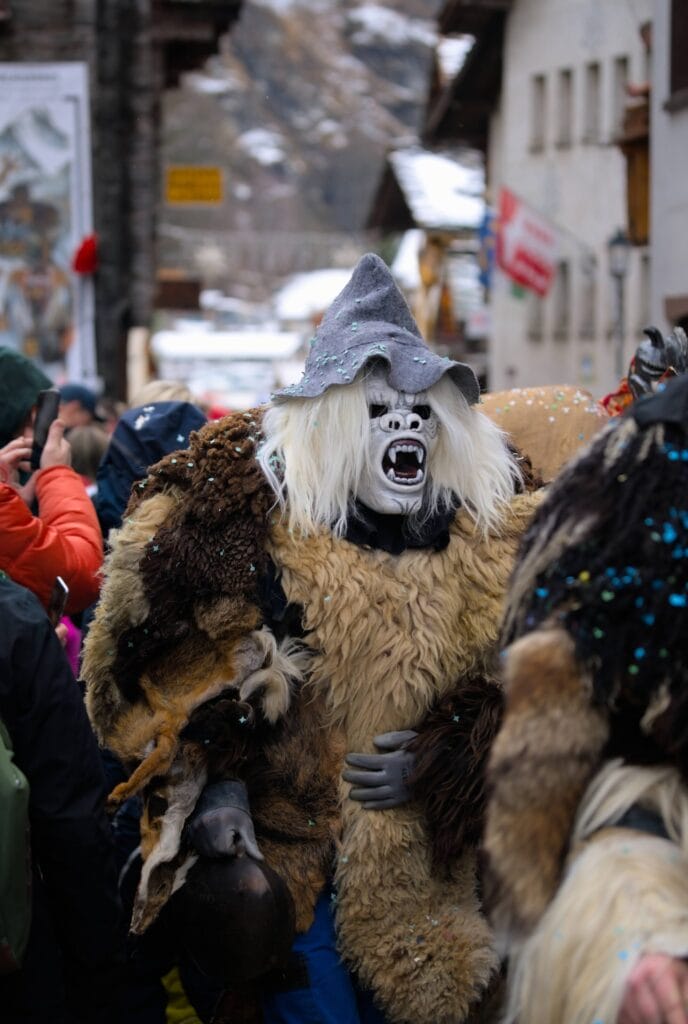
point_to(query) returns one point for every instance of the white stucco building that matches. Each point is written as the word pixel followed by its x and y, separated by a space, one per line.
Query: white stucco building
pixel 669 162
pixel 552 137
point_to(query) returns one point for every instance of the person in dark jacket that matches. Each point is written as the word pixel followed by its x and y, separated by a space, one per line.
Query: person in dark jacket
pixel 71 969
pixel 142 437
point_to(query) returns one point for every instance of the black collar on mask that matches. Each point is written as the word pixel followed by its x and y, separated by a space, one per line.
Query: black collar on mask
pixel 392 533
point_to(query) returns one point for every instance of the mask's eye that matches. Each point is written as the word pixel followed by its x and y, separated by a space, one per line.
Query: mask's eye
pixel 424 411
pixel 375 411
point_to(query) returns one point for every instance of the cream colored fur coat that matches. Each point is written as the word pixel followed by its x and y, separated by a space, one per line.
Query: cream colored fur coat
pixel 390 634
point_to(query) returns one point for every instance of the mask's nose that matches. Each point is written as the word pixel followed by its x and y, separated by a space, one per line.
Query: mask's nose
pixel 393 422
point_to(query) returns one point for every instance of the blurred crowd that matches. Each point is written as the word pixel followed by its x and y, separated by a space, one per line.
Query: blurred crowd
pixel 54 522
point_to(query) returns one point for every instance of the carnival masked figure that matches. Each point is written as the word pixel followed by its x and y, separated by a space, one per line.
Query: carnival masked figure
pixel 293 655
pixel 587 825
pixel 656 360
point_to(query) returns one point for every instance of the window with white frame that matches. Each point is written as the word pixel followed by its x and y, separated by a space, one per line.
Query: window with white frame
pixel 591 124
pixel 562 300
pixel 678 68
pixel 588 296
pixel 619 94
pixel 536 316
pixel 538 112
pixel 565 108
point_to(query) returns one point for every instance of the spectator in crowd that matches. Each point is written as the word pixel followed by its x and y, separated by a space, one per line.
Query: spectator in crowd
pixel 88 445
pixel 63 538
pixel 162 391
pixel 142 437
pixel 79 406
pixel 70 971
pixel 20 382
pixel 111 409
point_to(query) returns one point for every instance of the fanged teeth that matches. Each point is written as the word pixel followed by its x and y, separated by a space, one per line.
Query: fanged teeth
pixel 418 478
pixel 396 448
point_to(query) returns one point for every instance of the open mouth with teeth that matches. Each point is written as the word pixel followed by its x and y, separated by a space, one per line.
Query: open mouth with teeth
pixel 404 462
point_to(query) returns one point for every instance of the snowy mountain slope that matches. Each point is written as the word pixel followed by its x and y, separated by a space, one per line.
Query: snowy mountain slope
pixel 299 110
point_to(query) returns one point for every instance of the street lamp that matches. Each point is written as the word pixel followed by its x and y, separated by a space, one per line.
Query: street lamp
pixel 619 249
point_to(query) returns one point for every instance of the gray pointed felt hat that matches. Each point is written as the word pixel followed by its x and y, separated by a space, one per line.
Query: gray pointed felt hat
pixel 369 321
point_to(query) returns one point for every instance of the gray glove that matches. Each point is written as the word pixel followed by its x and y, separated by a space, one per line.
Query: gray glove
pixel 380 781
pixel 221 825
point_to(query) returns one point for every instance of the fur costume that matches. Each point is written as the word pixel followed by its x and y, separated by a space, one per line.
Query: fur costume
pixel 188 680
pixel 624 894
pixel 550 423
pixel 391 636
pixel 430 629
pixel 595 663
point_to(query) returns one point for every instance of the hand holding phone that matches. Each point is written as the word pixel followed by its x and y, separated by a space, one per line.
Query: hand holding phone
pixel 58 600
pixel 46 412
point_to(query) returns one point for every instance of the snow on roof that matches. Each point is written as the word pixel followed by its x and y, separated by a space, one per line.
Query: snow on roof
pixel 396 29
pixel 284 6
pixel 451 54
pixel 309 294
pixel 211 85
pixel 263 145
pixel 405 267
pixel 441 192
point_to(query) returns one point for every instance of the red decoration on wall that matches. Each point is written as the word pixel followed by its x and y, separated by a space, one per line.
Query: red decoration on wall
pixel 85 259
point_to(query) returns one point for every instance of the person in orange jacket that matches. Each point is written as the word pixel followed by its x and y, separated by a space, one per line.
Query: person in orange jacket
pixel 64 538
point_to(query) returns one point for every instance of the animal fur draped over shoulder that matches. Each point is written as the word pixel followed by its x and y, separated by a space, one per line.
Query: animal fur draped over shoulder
pixel 178 625
pixel 180 587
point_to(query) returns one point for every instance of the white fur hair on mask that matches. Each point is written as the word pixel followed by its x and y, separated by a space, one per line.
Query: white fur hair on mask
pixel 315 450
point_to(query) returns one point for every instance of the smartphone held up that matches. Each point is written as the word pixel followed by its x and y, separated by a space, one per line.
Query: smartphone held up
pixel 58 600
pixel 47 408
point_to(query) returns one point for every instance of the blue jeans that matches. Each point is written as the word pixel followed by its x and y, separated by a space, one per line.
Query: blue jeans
pixel 332 996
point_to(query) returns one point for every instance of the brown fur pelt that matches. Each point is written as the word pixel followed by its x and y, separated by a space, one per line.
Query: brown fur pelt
pixel 292 781
pixel 211 546
pixel 291 771
pixel 531 479
pixel 449 776
pixel 547 750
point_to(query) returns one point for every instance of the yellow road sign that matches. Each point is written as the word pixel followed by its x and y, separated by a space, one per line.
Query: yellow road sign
pixel 188 184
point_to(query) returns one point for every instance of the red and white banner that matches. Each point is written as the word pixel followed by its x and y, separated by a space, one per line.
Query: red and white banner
pixel 526 244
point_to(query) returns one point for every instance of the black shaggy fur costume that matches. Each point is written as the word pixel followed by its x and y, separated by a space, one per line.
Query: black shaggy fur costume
pixel 596 636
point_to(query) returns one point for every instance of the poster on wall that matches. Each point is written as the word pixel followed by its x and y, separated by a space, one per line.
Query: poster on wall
pixel 46 211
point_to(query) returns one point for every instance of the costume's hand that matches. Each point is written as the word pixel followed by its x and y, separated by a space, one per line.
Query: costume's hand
pixel 221 824
pixel 380 781
pixel 656 992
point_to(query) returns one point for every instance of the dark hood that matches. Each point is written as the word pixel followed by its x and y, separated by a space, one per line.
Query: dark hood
pixel 142 437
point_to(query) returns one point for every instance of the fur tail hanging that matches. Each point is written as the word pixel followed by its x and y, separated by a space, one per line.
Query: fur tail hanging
pixel 548 748
pixel 449 778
